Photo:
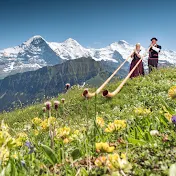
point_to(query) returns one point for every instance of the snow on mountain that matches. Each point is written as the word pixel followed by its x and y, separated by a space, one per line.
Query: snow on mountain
pixel 37 52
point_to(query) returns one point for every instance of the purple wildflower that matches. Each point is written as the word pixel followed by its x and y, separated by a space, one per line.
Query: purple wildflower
pixel 174 119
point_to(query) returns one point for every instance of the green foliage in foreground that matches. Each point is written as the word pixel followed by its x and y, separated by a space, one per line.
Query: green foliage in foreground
pixel 95 137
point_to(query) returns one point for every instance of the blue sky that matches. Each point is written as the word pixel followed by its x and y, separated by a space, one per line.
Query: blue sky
pixel 93 23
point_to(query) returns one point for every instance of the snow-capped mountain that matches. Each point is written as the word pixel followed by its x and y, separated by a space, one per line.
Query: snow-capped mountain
pixel 37 52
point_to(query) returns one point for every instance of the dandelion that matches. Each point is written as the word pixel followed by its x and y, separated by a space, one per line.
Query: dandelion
pixel 48 105
pixel 56 105
pixel 174 119
pixel 100 121
pixel 172 92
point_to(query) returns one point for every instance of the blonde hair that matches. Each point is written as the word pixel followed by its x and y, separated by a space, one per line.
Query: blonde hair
pixel 138 44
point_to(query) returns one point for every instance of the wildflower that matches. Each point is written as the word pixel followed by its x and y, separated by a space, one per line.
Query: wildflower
pixel 100 121
pixel 113 162
pixel 115 126
pixel 100 161
pixel 4 155
pixel 15 156
pixel 67 86
pixel 44 109
pixel 21 137
pixel 174 119
pixel 168 116
pixel 23 163
pixel 44 124
pixel 110 128
pixel 48 105
pixel 51 120
pixel 63 100
pixel 36 121
pixel 36 132
pixel 104 147
pixel 66 141
pixel 154 132
pixel 63 132
pixel 56 105
pixel 142 111
pixel 30 147
pixel 172 92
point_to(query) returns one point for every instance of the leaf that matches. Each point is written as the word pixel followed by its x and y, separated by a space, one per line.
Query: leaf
pixel 172 170
pixel 51 155
pixel 136 141
pixel 8 169
pixel 76 154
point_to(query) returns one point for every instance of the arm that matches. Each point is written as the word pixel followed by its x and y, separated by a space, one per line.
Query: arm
pixel 157 49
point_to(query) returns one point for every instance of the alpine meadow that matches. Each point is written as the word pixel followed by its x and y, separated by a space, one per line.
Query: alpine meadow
pixel 130 134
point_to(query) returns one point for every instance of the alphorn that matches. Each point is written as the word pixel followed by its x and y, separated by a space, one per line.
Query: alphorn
pixel 88 94
pixel 106 93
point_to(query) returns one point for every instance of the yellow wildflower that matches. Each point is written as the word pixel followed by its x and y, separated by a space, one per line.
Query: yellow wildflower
pixel 100 161
pixel 100 121
pixel 66 141
pixel 168 116
pixel 15 156
pixel 115 126
pixel 104 147
pixel 63 132
pixel 51 121
pixel 21 138
pixel 44 124
pixel 36 121
pixel 36 132
pixel 142 111
pixel 4 155
pixel 172 92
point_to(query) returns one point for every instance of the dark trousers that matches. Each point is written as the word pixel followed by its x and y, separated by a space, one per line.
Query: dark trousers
pixel 152 64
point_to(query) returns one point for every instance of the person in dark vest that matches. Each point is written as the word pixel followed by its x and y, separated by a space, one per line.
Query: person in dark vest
pixel 154 50
pixel 136 57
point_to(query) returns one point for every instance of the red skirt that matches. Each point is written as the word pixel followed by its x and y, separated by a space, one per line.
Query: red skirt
pixel 139 69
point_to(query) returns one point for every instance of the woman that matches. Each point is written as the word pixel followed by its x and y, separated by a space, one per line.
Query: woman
pixel 136 57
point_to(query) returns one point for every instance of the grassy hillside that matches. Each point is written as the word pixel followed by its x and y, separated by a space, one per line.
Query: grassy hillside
pixel 99 136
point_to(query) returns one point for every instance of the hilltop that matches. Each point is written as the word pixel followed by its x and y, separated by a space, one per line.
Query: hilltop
pixel 125 122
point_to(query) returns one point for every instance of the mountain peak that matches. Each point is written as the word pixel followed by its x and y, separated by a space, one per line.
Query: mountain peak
pixel 35 38
pixel 123 42
pixel 71 41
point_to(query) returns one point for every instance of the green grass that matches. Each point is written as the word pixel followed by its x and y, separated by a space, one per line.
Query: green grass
pixel 147 155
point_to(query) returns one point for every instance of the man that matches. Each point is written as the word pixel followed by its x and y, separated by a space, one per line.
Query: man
pixel 154 50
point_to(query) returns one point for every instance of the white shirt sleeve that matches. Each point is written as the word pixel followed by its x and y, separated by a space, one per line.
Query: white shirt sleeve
pixel 156 49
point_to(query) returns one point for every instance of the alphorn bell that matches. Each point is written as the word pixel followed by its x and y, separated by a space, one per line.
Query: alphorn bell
pixel 88 94
pixel 106 93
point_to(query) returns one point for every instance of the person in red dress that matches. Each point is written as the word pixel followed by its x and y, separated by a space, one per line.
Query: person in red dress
pixel 136 57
